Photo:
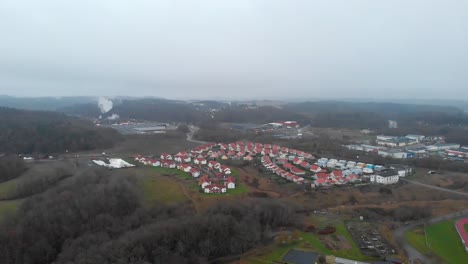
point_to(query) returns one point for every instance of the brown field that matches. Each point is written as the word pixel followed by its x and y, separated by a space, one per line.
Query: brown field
pixel 445 179
pixel 339 134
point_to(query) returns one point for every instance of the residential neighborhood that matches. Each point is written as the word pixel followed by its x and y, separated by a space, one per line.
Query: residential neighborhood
pixel 205 162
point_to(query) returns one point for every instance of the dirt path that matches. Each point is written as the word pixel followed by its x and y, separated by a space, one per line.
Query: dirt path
pixel 271 192
pixel 193 130
pixel 195 204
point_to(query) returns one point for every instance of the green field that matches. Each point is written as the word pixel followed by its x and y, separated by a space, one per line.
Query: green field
pixel 442 241
pixel 156 188
pixel 311 242
pixel 172 172
pixel 159 190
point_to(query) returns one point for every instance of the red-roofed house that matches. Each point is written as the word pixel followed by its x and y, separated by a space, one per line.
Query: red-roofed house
pixel 225 169
pixel 297 171
pixel 337 173
pixel 214 164
pixel 322 175
pixel 168 164
pixel 200 161
pixel 305 164
pixel 204 181
pixel 155 163
pixel 230 183
pixel 297 161
pixel 184 167
pixel 315 168
pixel 195 172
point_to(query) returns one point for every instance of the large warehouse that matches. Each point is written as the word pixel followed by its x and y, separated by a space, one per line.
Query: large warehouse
pixel 140 128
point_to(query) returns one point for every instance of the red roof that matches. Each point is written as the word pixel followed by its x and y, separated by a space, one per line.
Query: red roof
pixel 322 175
pixel 184 165
pixel 338 173
pixel 320 180
pixel 315 167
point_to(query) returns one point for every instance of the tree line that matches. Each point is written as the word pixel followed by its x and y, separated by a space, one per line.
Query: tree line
pixel 11 166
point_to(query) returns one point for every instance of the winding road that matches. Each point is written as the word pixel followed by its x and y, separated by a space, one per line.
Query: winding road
pixel 193 130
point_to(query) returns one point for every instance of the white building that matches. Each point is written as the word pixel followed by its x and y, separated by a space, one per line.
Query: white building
pixel 417 138
pixel 402 170
pixel 387 177
pixel 442 147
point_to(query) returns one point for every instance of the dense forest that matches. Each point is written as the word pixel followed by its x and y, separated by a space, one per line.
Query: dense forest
pixel 194 112
pixel 95 218
pixel 11 167
pixel 387 109
pixel 43 103
pixel 23 131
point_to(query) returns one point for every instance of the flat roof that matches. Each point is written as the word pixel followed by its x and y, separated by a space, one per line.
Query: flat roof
pixel 149 128
pixel 388 173
pixel 295 256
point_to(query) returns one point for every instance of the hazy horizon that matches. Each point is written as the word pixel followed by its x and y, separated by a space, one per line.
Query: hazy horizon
pixel 235 50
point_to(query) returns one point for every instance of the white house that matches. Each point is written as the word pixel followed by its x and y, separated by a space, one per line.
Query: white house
pixel 166 156
pixel 201 161
pixel 386 177
pixel 185 167
pixel 195 172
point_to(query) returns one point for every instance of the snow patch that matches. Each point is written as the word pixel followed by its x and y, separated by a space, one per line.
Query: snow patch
pixel 114 163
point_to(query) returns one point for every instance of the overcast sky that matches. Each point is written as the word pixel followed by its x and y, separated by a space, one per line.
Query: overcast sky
pixel 235 49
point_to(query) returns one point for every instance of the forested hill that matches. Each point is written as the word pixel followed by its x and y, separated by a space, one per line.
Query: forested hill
pixel 23 131
pixel 386 109
pixel 180 111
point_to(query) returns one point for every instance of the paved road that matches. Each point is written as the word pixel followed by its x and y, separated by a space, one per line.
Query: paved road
pixel 435 187
pixel 193 130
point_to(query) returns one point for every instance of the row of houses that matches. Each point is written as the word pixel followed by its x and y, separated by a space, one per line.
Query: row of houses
pixel 269 165
pixel 250 148
pixel 291 164
pixel 216 185
pixel 197 162
pixel 336 177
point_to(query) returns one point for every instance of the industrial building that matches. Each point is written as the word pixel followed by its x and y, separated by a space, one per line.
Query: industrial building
pixel 140 128
pixel 443 147
pixel 395 141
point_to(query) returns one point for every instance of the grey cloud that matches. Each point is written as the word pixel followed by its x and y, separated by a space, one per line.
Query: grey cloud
pixel 235 49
